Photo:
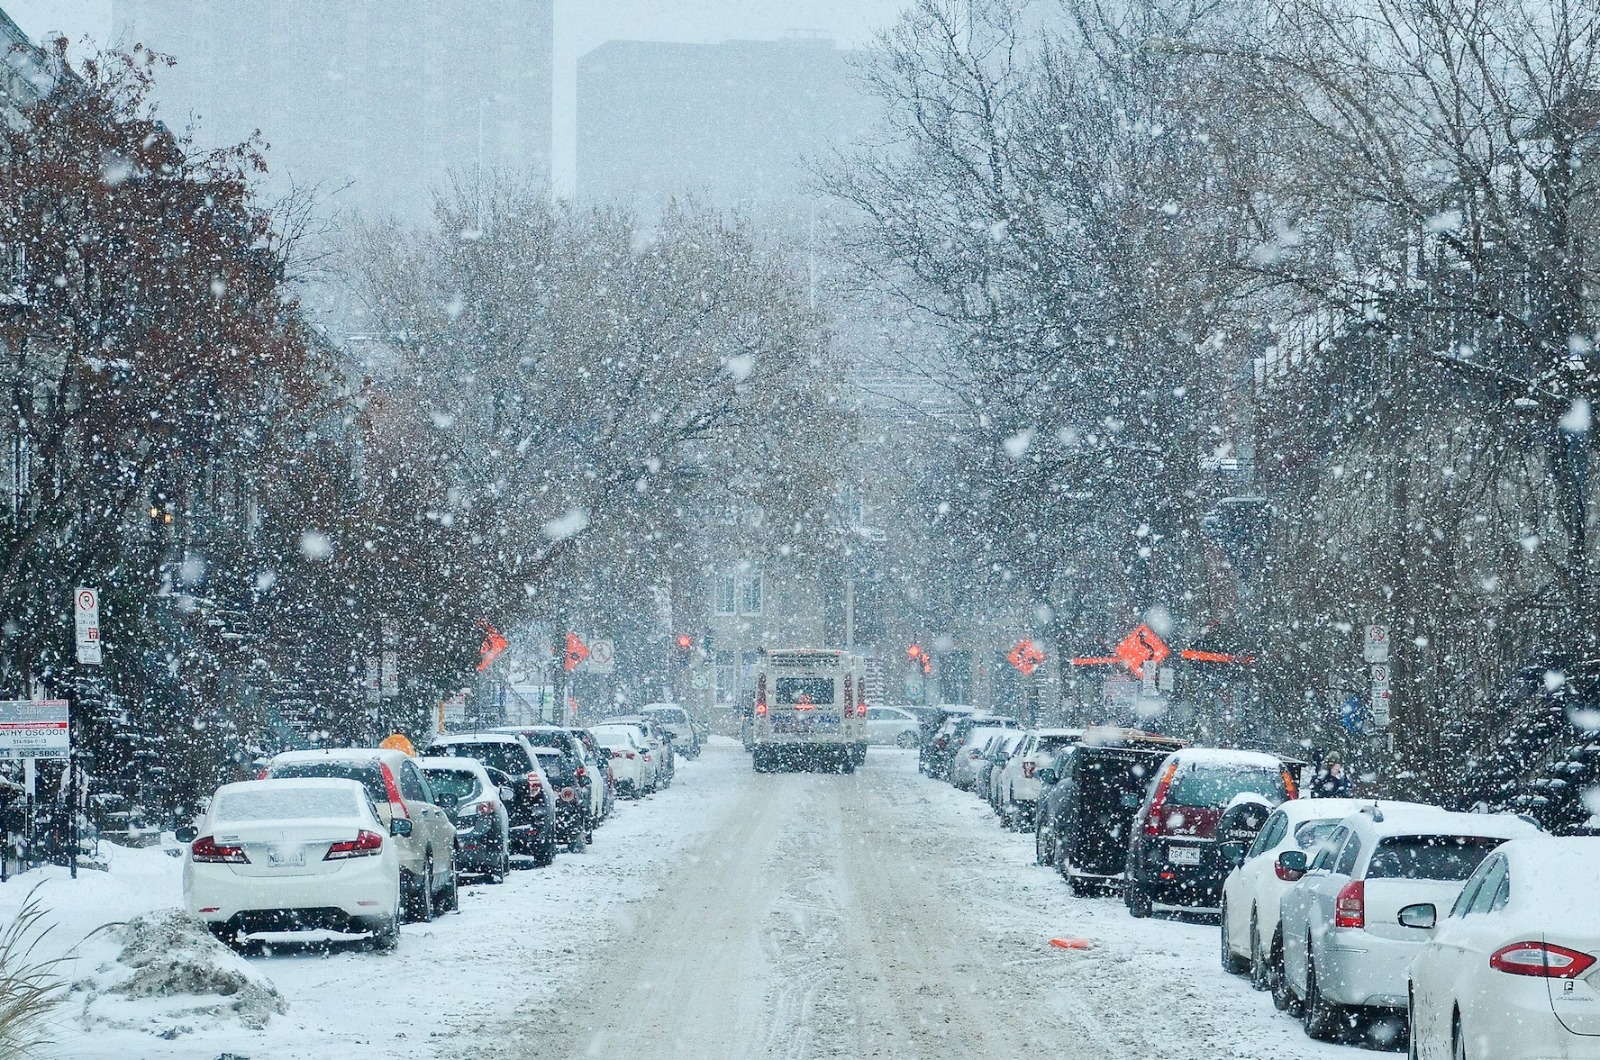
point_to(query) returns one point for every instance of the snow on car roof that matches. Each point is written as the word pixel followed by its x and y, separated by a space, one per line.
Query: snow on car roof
pixel 453 765
pixel 1227 758
pixel 476 737
pixel 1552 878
pixel 334 754
pixel 1418 818
pixel 1314 809
pixel 1058 732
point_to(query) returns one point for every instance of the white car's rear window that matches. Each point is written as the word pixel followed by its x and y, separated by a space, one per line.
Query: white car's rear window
pixel 286 804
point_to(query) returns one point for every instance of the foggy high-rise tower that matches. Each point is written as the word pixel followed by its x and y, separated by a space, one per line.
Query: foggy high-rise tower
pixel 381 100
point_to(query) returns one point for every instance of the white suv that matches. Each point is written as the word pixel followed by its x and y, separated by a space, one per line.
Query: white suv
pixel 1343 944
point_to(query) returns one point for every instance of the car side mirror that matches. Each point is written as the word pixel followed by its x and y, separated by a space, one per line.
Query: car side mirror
pixel 187 834
pixel 1291 865
pixel 400 826
pixel 1046 776
pixel 508 793
pixel 1233 854
pixel 1423 916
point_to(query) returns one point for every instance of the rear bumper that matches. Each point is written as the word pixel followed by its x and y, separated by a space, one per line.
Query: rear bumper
pixel 1171 883
pixel 1358 968
pixel 363 889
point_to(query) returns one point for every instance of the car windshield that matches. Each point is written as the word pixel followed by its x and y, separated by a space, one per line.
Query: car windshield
pixel 506 757
pixel 285 804
pixel 1434 857
pixel 369 775
pixel 670 716
pixel 1215 786
pixel 452 786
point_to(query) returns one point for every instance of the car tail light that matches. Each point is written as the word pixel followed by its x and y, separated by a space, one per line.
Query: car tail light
pixel 484 809
pixel 1027 770
pixel 1152 822
pixel 365 844
pixel 391 790
pixel 205 849
pixel 761 694
pixel 263 774
pixel 535 789
pixel 1543 959
pixel 569 795
pixel 1350 907
pixel 1283 873
pixel 1288 784
pixel 582 772
pixel 645 756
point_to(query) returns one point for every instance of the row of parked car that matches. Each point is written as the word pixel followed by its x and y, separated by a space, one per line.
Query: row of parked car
pixel 1464 932
pixel 360 839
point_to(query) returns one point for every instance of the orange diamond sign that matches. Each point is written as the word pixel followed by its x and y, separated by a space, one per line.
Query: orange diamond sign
pixel 1141 648
pixel 1026 658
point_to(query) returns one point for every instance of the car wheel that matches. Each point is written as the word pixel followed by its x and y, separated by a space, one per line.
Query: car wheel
pixel 1137 898
pixel 1231 963
pixel 1260 970
pixel 544 848
pixel 224 934
pixel 1283 998
pixel 452 889
pixel 578 841
pixel 1081 888
pixel 502 868
pixel 422 910
pixel 387 937
pixel 1411 1022
pixel 1320 1017
pixel 1039 857
pixel 1458 1040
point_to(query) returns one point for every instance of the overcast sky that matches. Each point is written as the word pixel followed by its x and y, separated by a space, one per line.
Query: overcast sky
pixel 580 26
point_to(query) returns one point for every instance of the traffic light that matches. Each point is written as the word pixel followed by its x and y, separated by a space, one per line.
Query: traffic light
pixel 919 657
pixel 683 646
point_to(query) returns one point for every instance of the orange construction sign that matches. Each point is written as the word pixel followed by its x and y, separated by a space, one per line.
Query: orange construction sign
pixel 1141 648
pixel 577 651
pixel 493 645
pixel 1025 657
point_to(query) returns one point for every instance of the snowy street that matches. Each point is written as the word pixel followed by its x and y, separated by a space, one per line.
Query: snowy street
pixel 737 914
pixel 882 915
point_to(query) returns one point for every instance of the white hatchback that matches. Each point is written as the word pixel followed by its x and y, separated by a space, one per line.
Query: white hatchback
pixel 288 855
pixel 644 781
pixel 1344 946
pixel 1513 971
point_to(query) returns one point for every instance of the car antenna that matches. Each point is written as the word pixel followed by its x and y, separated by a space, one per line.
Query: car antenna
pixel 1374 811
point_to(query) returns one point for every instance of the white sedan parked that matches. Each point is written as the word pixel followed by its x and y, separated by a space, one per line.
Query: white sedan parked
pixel 892 727
pixel 286 855
pixel 1510 971
pixel 1251 935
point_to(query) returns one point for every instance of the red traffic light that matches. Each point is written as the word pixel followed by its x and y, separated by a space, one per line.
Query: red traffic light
pixel 915 651
pixel 685 642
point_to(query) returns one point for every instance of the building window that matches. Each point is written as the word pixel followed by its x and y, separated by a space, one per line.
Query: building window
pixel 727 594
pixel 750 594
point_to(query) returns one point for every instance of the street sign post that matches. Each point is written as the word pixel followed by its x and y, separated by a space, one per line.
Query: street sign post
pixel 86 622
pixel 1375 649
pixel 35 728
pixel 1381 698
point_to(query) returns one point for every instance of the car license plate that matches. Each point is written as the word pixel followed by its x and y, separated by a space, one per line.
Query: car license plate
pixel 286 859
pixel 1184 855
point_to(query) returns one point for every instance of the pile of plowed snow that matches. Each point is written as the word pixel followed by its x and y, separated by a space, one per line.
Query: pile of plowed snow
pixel 178 973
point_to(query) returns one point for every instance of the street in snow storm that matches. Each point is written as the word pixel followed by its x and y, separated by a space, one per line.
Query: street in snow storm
pixel 832 528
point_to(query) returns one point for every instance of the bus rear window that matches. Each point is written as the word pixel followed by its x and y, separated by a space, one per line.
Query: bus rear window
pixel 792 690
